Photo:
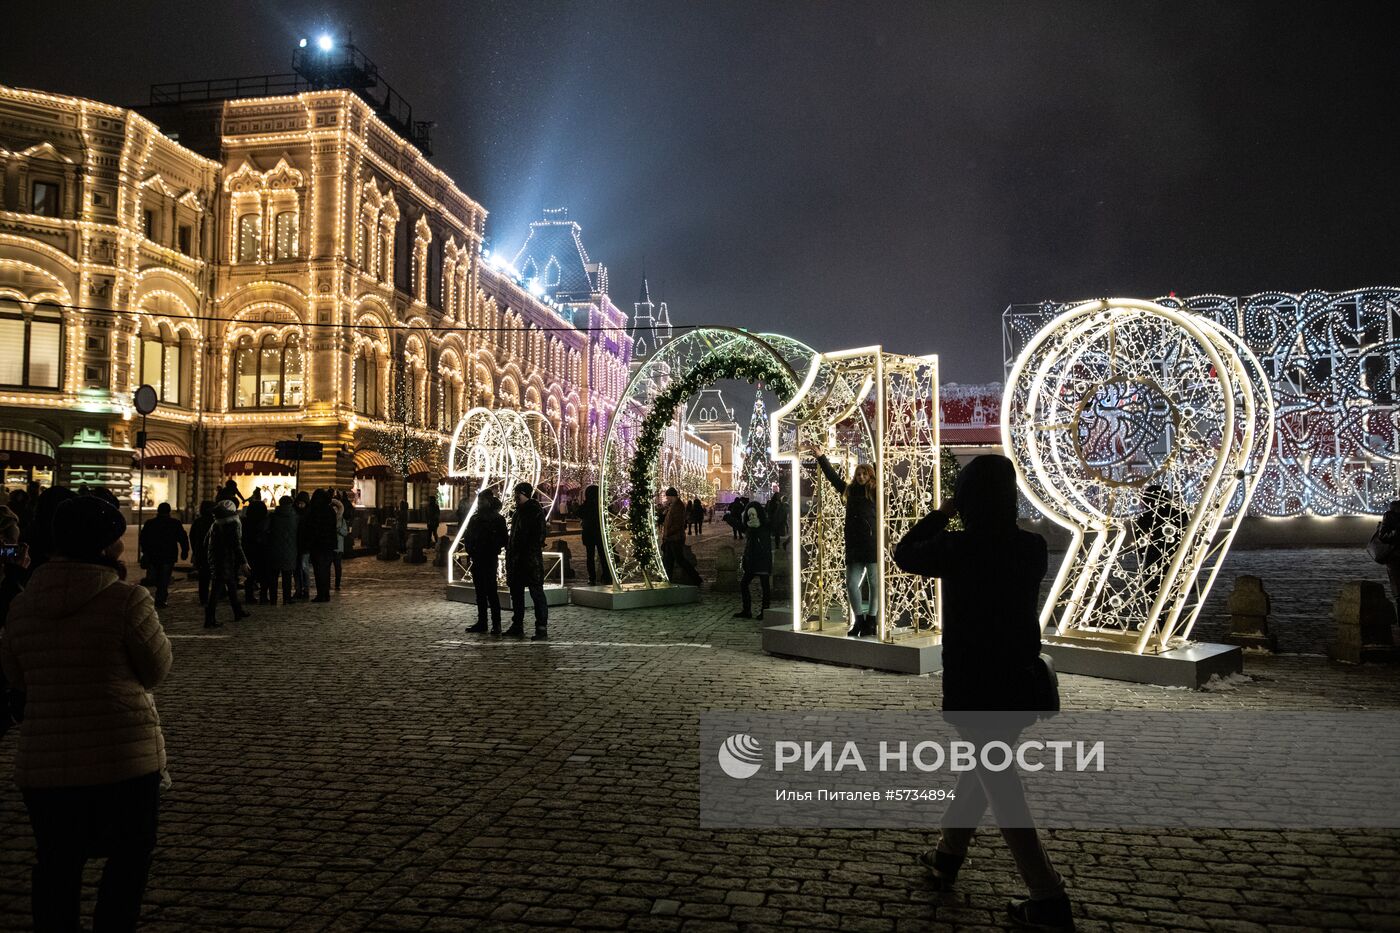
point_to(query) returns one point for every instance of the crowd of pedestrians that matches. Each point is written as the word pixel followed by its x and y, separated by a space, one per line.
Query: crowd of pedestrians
pixel 255 551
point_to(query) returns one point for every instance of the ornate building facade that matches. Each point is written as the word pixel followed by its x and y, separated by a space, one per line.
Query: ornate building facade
pixel 276 266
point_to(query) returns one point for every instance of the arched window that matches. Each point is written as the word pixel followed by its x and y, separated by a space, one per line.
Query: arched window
pixel 267 374
pixel 249 237
pixel 449 409
pixel 366 382
pixel 31 346
pixel 551 272
pixel 286 235
pixel 163 360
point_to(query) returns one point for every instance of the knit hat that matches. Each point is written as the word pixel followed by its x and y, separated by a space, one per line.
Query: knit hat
pixel 671 491
pixel 85 526
pixel 524 489
pixel 225 508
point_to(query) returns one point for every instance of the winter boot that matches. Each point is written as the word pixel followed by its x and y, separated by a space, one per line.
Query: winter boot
pixel 480 627
pixel 943 866
pixel 1052 913
pixel 517 629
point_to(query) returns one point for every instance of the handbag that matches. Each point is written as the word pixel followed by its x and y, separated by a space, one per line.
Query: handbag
pixel 1381 547
pixel 1045 687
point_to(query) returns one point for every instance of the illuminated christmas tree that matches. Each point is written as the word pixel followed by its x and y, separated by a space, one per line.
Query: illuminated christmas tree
pixel 759 473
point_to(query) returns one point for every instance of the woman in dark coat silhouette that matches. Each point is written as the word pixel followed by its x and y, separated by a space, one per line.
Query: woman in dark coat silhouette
pixel 991 575
pixel 758 559
pixel 592 518
pixel 281 551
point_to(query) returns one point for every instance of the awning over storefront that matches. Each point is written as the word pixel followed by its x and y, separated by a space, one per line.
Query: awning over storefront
pixel 259 460
pixel 370 464
pixel 25 450
pixel 165 455
pixel 418 470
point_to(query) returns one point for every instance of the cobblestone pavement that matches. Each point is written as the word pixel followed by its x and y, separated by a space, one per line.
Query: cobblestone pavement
pixel 366 765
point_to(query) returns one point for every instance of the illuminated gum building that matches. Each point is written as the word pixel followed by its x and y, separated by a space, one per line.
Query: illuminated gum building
pixel 273 265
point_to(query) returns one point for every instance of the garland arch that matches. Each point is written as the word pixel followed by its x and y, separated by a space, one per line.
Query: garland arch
pixel 628 478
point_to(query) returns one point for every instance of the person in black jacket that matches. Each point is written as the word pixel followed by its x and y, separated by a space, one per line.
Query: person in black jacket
pixel 991 575
pixel 199 535
pixel 224 553
pixel 484 540
pixel 758 558
pixel 862 541
pixel 255 519
pixel 301 574
pixel 525 563
pixel 280 560
pixel 592 518
pixel 432 514
pixel 162 539
pixel 321 539
pixel 1390 527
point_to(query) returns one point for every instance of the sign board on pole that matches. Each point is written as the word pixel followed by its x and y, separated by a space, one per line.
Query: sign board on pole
pixel 298 450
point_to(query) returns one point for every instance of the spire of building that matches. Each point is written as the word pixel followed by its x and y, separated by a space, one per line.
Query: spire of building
pixel 645 338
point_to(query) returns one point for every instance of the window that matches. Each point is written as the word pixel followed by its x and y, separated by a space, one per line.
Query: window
pixel 448 408
pixel 162 365
pixel 267 374
pixel 186 239
pixel 286 231
pixel 148 224
pixel 44 199
pixel 31 346
pixel 249 235
pixel 366 382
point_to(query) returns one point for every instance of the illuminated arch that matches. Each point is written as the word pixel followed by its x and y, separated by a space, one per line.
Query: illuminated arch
pixel 629 535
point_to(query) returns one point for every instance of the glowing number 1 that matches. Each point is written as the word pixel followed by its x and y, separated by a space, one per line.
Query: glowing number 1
pixel 882 407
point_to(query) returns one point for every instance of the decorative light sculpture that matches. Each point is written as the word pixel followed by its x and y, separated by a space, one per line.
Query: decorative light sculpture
pixel 500 449
pixel 1332 362
pixel 1142 430
pixel 880 408
pixel 681 366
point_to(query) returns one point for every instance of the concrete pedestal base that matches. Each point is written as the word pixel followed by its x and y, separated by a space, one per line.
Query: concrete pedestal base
pixel 907 656
pixel 635 596
pixel 466 593
pixel 1265 641
pixel 1189 666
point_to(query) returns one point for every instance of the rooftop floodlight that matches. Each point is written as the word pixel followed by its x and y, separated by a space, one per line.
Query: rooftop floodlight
pixel 324 42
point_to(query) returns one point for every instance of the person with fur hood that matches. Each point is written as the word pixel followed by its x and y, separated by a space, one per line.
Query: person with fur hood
pixel 226 560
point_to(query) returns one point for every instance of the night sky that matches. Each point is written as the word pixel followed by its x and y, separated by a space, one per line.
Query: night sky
pixel 855 173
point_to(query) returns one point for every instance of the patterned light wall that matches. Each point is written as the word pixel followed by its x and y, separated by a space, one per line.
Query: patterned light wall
pixel 1333 363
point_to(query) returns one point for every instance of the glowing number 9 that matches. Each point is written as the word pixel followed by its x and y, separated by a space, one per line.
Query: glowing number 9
pixel 1137 428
